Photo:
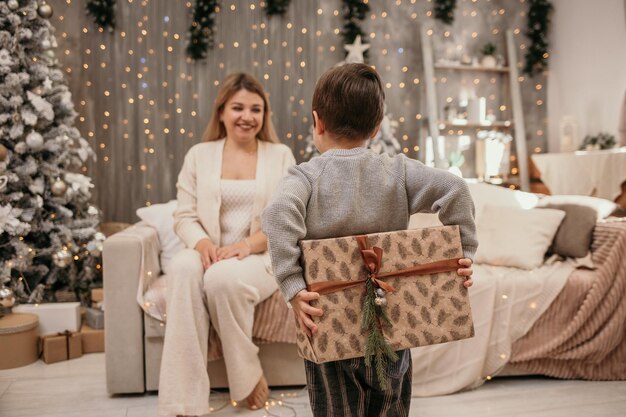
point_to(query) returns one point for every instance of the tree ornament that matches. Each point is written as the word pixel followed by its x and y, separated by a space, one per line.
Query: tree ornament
pixel 354 12
pixel 59 187
pixel 4 152
pixel 44 10
pixel 45 44
pixel 34 141
pixel 7 300
pixel 13 4
pixel 62 258
pixel 380 301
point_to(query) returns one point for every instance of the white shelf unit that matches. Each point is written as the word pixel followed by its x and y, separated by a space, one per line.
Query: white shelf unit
pixel 437 128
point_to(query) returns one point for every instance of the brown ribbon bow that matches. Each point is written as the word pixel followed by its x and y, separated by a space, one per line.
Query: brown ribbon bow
pixel 372 257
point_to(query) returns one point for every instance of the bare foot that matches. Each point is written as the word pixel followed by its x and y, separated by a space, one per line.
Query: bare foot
pixel 258 396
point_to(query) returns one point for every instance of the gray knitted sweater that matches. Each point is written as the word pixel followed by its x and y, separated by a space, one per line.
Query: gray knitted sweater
pixel 353 192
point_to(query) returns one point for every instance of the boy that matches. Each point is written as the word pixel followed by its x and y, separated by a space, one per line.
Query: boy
pixel 349 190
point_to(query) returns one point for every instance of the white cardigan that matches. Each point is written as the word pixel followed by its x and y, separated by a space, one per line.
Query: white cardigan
pixel 199 196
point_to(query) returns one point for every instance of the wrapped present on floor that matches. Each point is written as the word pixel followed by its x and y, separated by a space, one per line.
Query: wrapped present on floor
pixel 53 317
pixel 94 318
pixel 93 339
pixel 385 292
pixel 97 297
pixel 61 346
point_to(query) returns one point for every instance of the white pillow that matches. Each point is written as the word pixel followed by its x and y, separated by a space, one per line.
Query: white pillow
pixel 161 217
pixel 603 207
pixel 483 194
pixel 509 236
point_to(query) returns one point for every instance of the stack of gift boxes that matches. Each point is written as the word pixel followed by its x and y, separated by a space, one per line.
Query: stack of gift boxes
pixel 68 330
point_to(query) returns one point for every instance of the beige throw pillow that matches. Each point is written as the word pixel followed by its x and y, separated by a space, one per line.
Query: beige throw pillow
pixel 519 238
pixel 573 237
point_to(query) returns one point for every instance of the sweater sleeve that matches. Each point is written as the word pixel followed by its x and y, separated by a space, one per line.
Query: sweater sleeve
pixel 186 222
pixel 283 221
pixel 431 190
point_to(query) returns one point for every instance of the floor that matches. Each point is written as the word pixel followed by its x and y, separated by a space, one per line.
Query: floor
pixel 77 388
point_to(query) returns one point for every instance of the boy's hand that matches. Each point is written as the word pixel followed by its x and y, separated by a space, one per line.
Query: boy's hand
pixel 466 271
pixel 303 310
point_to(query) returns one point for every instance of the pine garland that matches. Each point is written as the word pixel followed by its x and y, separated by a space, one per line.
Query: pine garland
pixel 537 31
pixel 202 29
pixel 376 345
pixel 354 12
pixel 103 13
pixel 444 10
pixel 276 7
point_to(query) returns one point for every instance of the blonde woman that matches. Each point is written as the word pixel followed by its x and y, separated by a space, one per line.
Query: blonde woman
pixel 223 186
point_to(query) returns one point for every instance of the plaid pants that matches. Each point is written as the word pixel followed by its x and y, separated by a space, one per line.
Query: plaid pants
pixel 348 388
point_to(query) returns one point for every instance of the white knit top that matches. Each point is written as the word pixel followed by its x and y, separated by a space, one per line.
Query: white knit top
pixel 236 210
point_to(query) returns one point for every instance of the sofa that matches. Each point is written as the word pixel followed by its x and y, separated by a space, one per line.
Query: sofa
pixel 510 270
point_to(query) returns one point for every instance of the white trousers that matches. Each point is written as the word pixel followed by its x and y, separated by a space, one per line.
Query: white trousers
pixel 223 296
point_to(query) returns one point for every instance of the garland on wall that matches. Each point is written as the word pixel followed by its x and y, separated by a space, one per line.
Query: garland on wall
pixel 354 12
pixel 103 13
pixel 276 7
pixel 202 29
pixel 444 10
pixel 537 31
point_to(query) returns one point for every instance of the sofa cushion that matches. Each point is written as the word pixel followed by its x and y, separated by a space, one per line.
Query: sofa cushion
pixel 603 207
pixel 510 236
pixel 573 237
pixel 161 217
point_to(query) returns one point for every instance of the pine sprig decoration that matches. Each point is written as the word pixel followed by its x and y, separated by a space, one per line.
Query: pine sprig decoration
pixel 537 32
pixel 202 29
pixel 444 10
pixel 103 13
pixel 276 7
pixel 354 12
pixel 374 317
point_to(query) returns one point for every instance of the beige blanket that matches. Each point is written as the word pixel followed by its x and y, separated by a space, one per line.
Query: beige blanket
pixel 583 333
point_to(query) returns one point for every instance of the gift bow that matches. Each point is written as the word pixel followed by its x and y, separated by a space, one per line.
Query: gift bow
pixel 372 257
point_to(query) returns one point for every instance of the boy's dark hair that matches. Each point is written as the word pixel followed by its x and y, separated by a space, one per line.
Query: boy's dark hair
pixel 350 100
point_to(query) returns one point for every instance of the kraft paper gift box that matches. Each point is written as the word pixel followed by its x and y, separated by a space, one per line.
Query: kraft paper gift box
pixel 61 347
pixel 93 339
pixel 430 305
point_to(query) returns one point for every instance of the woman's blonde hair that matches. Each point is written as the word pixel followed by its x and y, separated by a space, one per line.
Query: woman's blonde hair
pixel 231 85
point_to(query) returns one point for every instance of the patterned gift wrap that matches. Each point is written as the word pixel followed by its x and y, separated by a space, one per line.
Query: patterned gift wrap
pixel 430 305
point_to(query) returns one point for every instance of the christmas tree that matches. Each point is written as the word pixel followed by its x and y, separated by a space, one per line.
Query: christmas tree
pixel 49 245
pixel 385 140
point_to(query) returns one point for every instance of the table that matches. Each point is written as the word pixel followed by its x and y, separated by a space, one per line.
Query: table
pixel 596 173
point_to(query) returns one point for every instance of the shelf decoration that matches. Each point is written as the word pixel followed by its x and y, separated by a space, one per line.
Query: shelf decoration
pixel 537 31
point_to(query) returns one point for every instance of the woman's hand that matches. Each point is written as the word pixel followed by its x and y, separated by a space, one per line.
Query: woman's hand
pixel 240 250
pixel 466 271
pixel 208 252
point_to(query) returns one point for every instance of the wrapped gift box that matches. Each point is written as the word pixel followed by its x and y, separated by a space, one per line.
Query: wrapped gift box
pixel 94 318
pixel 427 307
pixel 93 339
pixel 97 298
pixel 53 317
pixel 18 340
pixel 61 347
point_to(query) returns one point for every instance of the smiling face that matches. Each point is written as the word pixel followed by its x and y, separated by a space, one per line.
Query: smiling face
pixel 242 116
